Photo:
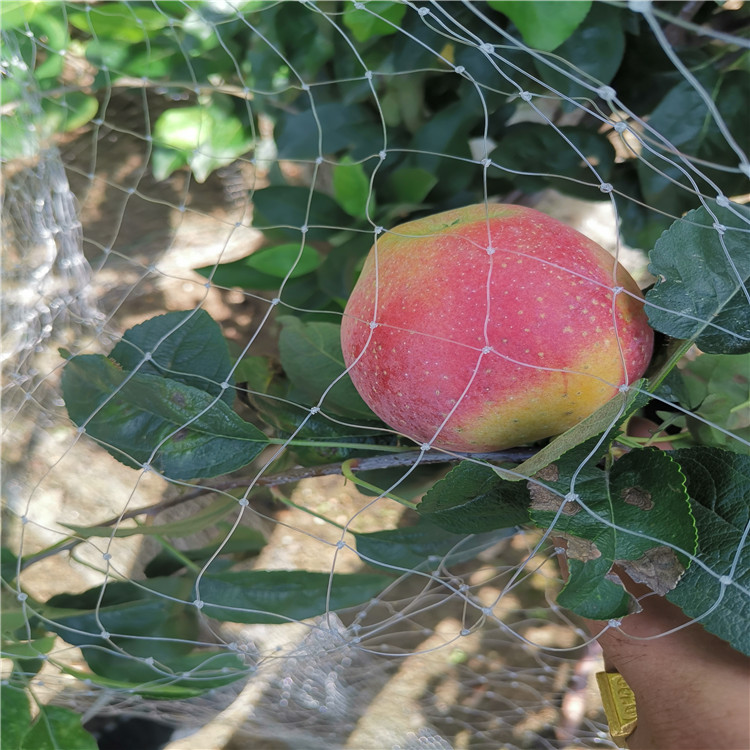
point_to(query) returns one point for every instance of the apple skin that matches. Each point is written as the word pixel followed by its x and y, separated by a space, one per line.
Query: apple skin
pixel 474 351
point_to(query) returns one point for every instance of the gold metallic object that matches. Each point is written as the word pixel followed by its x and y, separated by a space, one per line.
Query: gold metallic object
pixel 619 706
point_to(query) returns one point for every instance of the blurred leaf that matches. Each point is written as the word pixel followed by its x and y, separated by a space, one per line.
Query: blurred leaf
pixel 543 152
pixel 312 360
pixel 243 541
pixel 423 547
pixel 337 274
pixel 54 728
pixel 596 47
pixel 717 482
pixel 184 527
pixel 9 565
pixel 183 676
pixel 543 24
pixel 28 649
pixel 351 188
pixel 204 137
pixel 68 112
pixel 376 18
pixel 718 395
pixel 277 596
pixel 642 498
pixel 282 261
pixel 409 185
pixel 153 620
pixel 472 498
pixel 186 346
pixel 289 208
pixel 701 288
pixel 125 22
pixel 330 128
pixel 16 717
pixel 190 433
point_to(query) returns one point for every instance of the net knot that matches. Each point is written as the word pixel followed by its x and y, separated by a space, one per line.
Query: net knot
pixel 459 69
pixel 572 497
pixel 314 409
pixel 720 228
pixel 614 623
pixel 607 93
pixel 423 11
pixel 620 126
pixel 722 201
pixel 198 604
pixel 726 580
pixel 606 187
pixel 425 447
pixel 527 96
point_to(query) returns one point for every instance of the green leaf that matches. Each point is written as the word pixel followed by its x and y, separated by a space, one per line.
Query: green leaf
pixel 718 389
pixel 423 546
pixel 637 515
pixel 702 280
pixel 243 541
pixel 284 261
pixel 204 137
pixel 68 112
pixel 718 483
pixel 9 563
pixel 28 649
pixel 589 594
pixel 276 596
pixel 152 620
pixel 189 432
pixel 472 498
pixel 530 147
pixel 373 19
pixel 192 674
pixel 186 346
pixel 543 24
pixel 56 728
pixel 125 22
pixel 351 188
pixel 312 360
pixel 184 527
pixel 330 128
pixel 596 47
pixel 16 717
pixel 409 185
pixel 287 208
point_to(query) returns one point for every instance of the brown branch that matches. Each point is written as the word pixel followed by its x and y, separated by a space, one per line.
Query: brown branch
pixel 368 463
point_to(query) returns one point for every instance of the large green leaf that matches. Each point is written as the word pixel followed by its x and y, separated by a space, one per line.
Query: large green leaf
pixel 142 621
pixel 312 360
pixel 702 276
pixel 186 346
pixel 472 498
pixel 286 209
pixel 55 728
pixel 277 596
pixel 375 18
pixel 596 47
pixel 543 157
pixel 16 717
pixel 179 430
pixel 637 515
pixel 423 546
pixel 718 482
pixel 544 24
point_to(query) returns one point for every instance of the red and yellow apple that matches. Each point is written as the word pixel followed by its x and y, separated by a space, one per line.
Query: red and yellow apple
pixel 491 326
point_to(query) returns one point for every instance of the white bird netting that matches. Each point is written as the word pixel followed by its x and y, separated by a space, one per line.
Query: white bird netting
pixel 203 523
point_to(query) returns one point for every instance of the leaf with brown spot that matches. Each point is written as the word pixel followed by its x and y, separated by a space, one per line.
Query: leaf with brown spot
pixel 637 496
pixel 621 531
pixel 658 568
